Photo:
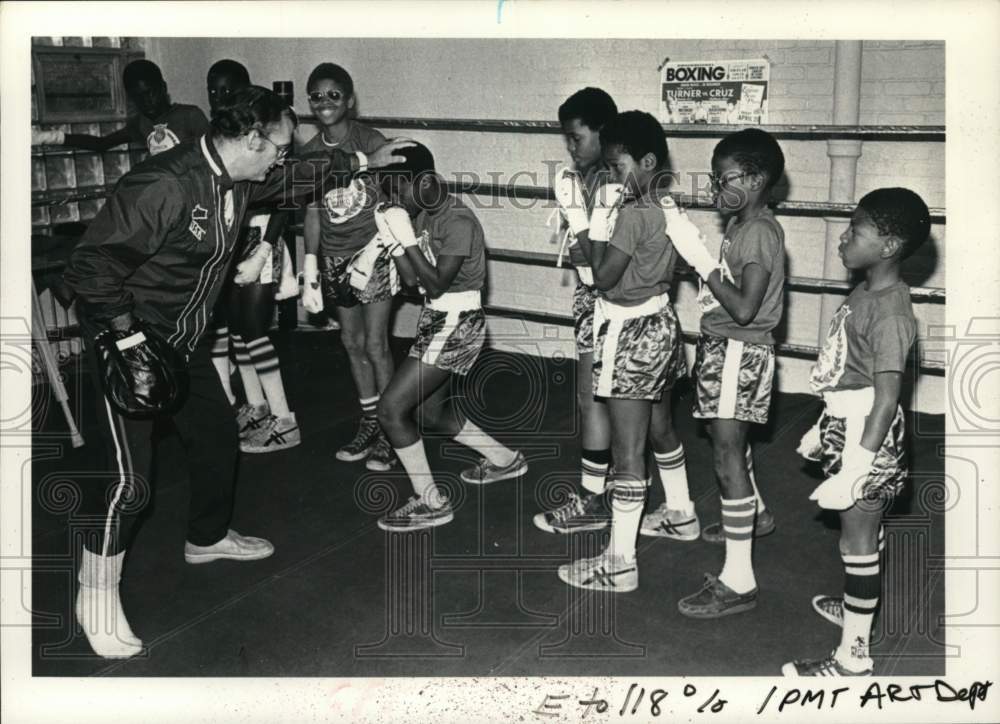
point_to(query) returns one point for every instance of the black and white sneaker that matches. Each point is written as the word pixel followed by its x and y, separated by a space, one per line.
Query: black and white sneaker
pixel 416 514
pixel 278 433
pixel 486 472
pixel 587 513
pixel 250 418
pixel 363 442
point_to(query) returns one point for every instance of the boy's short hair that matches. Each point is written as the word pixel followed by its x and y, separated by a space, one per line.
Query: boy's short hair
pixel 142 70
pixel 230 69
pixel 248 108
pixel 755 151
pixel 592 106
pixel 638 133
pixel 900 213
pixel 334 72
pixel 419 162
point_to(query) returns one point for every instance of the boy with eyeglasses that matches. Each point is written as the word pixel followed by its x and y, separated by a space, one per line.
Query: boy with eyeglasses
pixel 741 298
pixel 337 227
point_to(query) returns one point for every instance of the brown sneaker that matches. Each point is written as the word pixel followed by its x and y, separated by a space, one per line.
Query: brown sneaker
pixel 716 600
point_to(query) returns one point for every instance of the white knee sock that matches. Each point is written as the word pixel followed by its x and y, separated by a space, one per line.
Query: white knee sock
pixel 674 478
pixel 627 498
pixel 251 382
pixel 265 363
pixel 737 526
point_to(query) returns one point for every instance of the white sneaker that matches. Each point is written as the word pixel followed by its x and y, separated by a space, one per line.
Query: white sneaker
pixel 605 572
pixel 234 547
pixel 675 524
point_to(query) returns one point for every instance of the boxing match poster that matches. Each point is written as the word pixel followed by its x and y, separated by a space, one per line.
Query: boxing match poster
pixel 715 91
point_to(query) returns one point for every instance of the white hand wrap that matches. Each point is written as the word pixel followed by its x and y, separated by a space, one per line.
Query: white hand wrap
pixel 569 196
pixel 602 218
pixel 312 296
pixel 687 239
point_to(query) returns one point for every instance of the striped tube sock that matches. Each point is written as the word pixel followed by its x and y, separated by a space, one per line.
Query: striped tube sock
pixel 753 481
pixel 265 364
pixel 220 360
pixel 862 588
pixel 675 480
pixel 627 499
pixel 737 526
pixel 369 405
pixel 251 383
pixel 594 469
pixel 881 538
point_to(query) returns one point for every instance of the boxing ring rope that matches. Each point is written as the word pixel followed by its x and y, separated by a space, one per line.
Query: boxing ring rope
pixel 527 192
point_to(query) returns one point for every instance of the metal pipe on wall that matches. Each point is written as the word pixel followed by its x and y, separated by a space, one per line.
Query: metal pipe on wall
pixel 843 154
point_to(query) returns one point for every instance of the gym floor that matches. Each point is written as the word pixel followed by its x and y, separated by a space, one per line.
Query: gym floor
pixel 480 595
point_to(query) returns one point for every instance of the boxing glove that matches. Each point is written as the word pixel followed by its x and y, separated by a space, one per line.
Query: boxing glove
pixel 141 373
pixel 840 491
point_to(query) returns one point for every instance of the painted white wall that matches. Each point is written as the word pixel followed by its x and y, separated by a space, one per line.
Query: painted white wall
pixel 902 83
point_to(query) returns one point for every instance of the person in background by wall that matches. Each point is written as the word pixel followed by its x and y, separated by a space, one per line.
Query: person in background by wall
pixel 336 228
pixel 159 123
pixel 245 309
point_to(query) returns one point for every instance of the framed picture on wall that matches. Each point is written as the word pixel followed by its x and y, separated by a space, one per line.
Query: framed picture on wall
pixel 74 84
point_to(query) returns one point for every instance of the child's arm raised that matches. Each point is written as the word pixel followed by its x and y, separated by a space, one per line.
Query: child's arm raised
pixel 436 278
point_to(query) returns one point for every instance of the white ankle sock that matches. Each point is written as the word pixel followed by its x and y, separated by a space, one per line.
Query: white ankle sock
pixel 414 460
pixel 99 609
pixel 471 436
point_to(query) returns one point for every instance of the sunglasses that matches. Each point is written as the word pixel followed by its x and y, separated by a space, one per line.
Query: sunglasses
pixel 283 151
pixel 332 95
pixel 723 181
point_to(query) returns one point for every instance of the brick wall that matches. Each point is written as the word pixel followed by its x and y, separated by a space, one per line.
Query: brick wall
pixel 902 83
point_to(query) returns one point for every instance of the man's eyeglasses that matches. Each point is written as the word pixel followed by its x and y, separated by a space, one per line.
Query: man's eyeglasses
pixel 719 182
pixel 283 151
pixel 318 96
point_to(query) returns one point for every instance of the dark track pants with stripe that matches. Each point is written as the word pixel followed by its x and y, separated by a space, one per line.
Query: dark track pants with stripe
pixel 206 426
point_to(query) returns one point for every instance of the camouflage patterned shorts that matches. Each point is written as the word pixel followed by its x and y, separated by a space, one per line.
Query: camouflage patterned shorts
pixel 733 379
pixel 648 356
pixel 889 469
pixel 450 341
pixel 584 298
pixel 336 282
